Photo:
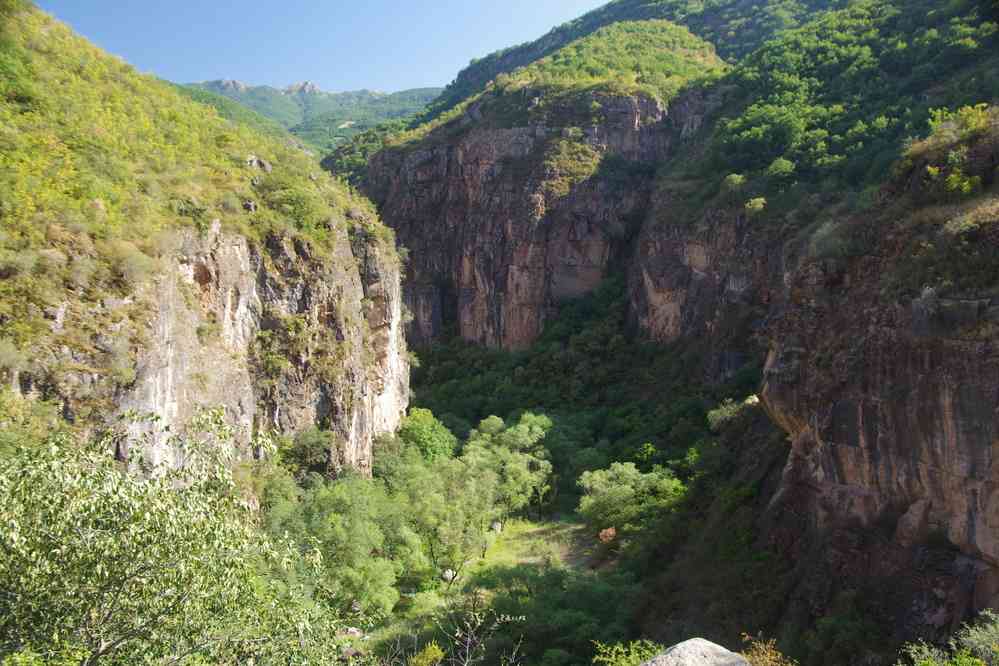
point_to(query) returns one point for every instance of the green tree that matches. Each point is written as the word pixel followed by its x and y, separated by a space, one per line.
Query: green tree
pixel 126 568
pixel 624 498
pixel 516 456
pixel 422 430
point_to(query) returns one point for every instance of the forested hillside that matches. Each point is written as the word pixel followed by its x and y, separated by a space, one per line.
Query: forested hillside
pixel 735 27
pixel 700 299
pixel 320 119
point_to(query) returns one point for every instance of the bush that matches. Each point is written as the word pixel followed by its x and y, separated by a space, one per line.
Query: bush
pixel 756 206
pixel 765 653
pixel 626 499
pixel 431 655
pixel 627 654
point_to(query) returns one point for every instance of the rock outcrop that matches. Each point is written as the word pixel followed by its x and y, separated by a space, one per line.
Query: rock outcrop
pixel 697 652
pixel 503 220
pixel 280 336
pixel 888 396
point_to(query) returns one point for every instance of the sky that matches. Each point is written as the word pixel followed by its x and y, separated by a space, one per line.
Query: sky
pixel 383 45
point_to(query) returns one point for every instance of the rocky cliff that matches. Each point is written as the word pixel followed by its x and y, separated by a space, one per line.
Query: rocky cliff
pixel 878 332
pixel 503 222
pixel 179 259
pixel 883 387
pixel 282 338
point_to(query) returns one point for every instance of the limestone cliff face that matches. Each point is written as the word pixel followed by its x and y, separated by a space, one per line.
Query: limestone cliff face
pixel 501 222
pixel 280 337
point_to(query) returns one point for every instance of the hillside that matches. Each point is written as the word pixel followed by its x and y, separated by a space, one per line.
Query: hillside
pixel 236 112
pixel 652 58
pixel 703 304
pixel 735 27
pixel 780 213
pixel 320 119
pixel 129 208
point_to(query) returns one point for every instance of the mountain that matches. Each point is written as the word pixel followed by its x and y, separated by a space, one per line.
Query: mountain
pixel 703 300
pixel 736 27
pixel 322 120
pixel 816 207
pixel 160 257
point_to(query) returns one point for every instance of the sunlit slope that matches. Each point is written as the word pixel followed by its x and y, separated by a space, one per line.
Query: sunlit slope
pixel 97 161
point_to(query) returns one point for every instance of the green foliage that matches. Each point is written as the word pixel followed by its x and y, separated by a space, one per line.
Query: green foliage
pixel 431 655
pixel 761 652
pixel 516 456
pixel 735 27
pixel 975 644
pixel 594 380
pixel 126 568
pixel 364 539
pixel 624 498
pixel 803 114
pixel 24 421
pixel 98 164
pixel 352 114
pixel 566 164
pixel 320 119
pixel 349 160
pixel 756 205
pixel 566 610
pixel 235 112
pixel 634 653
pixel 422 430
pixel 653 57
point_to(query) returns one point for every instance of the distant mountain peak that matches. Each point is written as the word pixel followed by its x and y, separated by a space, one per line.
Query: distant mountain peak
pixel 305 87
pixel 232 84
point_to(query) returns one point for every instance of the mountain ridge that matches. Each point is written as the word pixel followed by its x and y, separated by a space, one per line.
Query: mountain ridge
pixel 318 117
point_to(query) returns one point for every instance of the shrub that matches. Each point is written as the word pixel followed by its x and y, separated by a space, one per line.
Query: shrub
pixel 431 655
pixel 756 206
pixel 627 654
pixel 765 653
pixel 624 498
pixel 132 568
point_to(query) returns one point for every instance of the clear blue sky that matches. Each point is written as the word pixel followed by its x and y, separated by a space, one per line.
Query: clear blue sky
pixel 379 44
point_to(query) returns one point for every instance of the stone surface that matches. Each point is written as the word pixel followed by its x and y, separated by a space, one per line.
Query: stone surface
pixel 350 375
pixel 697 652
pixel 493 247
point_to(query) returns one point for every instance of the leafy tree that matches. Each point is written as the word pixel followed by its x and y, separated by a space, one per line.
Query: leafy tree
pixel 635 653
pixel 516 456
pixel 422 430
pixel 364 538
pixel 624 498
pixel 124 568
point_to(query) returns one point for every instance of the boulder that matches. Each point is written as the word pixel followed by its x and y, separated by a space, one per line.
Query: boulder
pixel 697 652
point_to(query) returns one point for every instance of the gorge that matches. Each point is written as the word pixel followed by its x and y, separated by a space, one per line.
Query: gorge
pixel 699 300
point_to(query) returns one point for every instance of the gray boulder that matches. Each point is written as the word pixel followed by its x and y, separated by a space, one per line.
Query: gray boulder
pixel 697 652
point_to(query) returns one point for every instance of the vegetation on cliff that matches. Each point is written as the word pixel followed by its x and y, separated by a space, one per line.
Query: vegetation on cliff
pixel 100 167
pixel 655 59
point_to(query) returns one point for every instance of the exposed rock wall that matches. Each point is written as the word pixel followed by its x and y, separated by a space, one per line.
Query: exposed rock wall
pixel 496 234
pixel 281 338
pixel 890 401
